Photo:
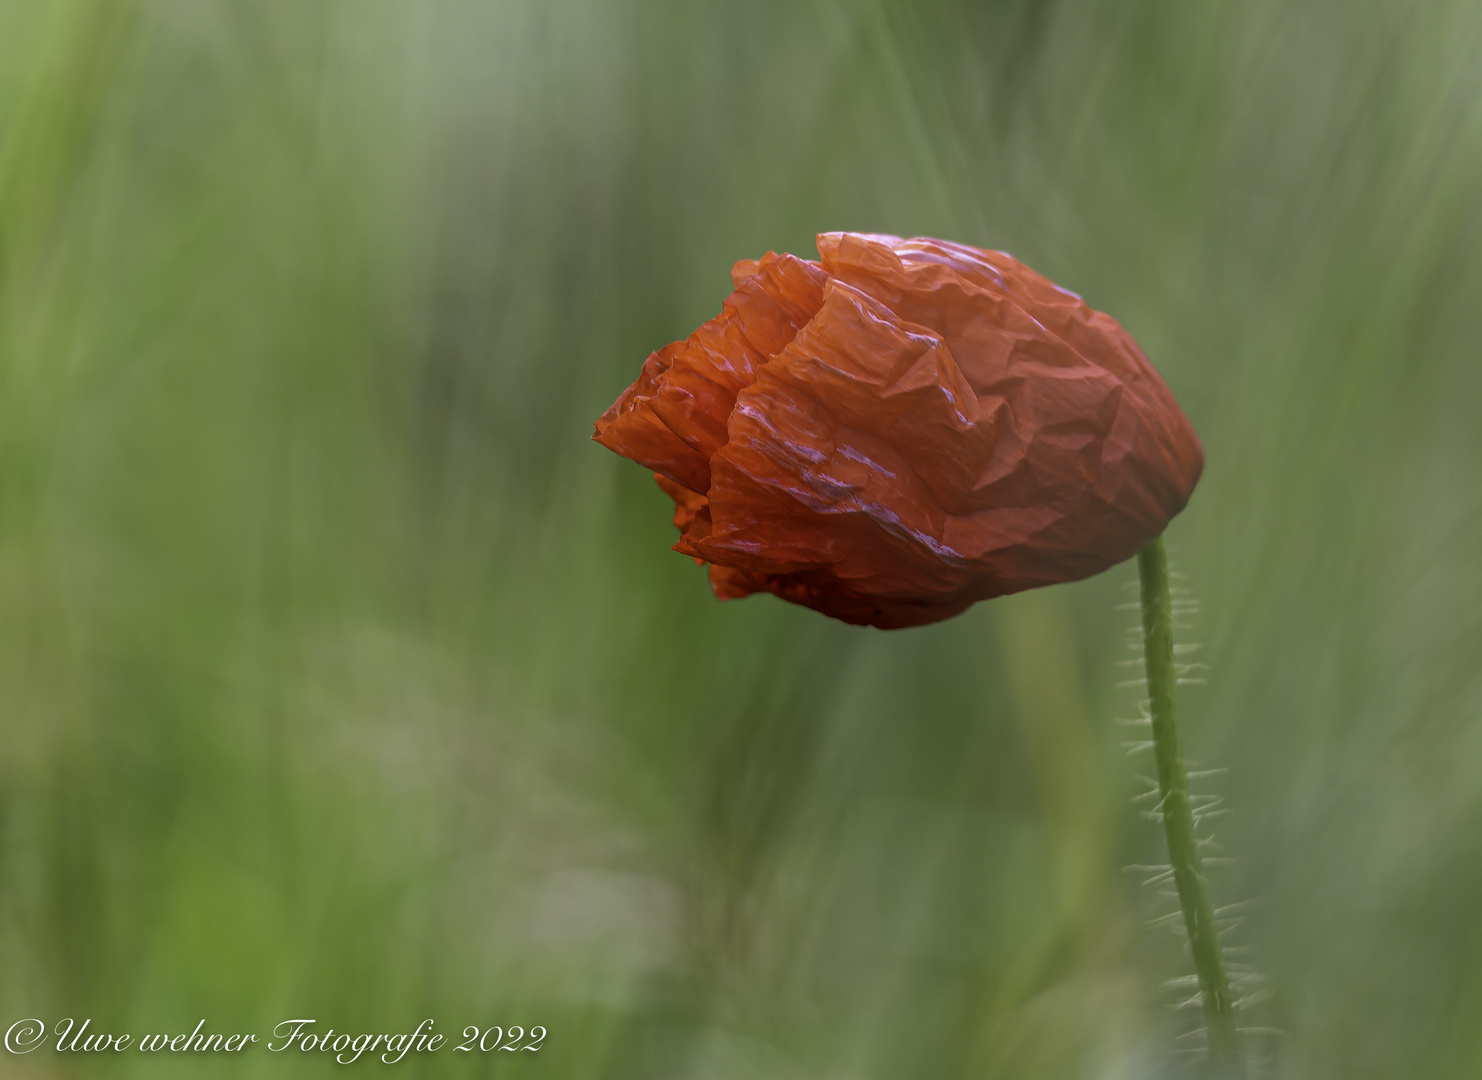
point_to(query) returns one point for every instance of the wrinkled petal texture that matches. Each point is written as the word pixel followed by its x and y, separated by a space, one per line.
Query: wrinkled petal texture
pixel 903 428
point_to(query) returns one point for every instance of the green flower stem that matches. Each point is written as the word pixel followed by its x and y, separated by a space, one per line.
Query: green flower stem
pixel 1178 815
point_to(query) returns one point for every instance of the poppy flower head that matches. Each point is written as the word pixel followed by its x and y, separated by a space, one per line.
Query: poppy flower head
pixel 904 427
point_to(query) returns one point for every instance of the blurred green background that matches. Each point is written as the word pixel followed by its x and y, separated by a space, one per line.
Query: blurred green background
pixel 342 677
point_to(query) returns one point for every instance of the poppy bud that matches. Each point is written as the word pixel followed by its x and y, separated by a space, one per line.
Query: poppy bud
pixel 905 427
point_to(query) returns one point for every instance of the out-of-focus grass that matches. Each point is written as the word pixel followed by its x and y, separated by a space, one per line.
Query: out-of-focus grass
pixel 341 676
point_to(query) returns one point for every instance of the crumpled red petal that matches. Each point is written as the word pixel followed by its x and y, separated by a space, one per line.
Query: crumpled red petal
pixel 673 418
pixel 904 428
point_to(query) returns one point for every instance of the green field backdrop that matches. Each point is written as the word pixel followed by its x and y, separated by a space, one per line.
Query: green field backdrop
pixel 342 677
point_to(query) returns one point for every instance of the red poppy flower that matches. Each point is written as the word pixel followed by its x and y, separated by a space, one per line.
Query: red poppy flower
pixel 905 427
